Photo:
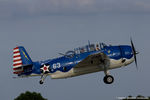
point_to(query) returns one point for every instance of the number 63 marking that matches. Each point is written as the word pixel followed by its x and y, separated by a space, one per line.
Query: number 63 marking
pixel 57 65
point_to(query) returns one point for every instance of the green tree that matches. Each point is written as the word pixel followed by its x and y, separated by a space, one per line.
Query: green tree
pixel 149 98
pixel 30 96
pixel 139 96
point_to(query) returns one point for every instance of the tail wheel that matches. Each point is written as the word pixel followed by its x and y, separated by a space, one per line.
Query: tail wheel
pixel 108 79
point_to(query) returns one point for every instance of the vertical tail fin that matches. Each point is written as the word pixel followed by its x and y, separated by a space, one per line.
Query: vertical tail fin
pixel 20 59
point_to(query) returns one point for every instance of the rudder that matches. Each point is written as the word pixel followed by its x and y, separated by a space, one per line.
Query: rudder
pixel 20 59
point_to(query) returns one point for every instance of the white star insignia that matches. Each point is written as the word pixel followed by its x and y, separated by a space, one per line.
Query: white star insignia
pixel 45 68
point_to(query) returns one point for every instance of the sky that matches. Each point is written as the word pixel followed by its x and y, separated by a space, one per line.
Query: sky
pixel 48 27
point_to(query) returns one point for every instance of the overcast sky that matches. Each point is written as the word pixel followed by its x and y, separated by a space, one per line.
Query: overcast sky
pixel 47 27
pixel 24 8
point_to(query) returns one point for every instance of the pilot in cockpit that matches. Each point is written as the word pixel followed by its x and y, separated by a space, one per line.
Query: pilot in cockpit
pixel 97 47
pixel 82 50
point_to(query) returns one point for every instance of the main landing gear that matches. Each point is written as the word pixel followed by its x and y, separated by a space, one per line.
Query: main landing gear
pixel 108 79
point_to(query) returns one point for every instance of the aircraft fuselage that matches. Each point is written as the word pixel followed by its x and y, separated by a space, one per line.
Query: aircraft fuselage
pixel 64 67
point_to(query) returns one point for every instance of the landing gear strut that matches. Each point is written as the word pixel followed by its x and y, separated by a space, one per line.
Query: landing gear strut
pixel 43 78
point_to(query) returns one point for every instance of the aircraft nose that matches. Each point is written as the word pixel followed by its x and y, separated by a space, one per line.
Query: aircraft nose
pixel 127 52
pixel 132 52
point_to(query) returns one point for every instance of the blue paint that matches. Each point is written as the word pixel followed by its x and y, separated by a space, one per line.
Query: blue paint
pixel 113 52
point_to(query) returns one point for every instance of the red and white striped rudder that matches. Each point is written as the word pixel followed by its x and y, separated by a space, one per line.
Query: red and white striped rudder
pixel 17 61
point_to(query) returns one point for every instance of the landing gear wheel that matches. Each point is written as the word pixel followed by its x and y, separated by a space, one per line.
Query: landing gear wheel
pixel 108 79
pixel 41 82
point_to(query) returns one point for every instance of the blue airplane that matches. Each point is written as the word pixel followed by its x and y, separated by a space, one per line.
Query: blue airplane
pixel 83 60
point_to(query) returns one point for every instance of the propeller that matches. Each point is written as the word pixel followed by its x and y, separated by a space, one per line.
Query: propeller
pixel 134 52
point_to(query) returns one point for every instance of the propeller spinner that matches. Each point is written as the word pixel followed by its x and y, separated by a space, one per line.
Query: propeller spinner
pixel 134 52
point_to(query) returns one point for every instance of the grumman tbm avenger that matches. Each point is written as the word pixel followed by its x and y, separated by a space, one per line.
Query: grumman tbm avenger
pixel 83 60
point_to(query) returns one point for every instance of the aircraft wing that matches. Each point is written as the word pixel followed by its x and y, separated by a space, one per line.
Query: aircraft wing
pixel 98 59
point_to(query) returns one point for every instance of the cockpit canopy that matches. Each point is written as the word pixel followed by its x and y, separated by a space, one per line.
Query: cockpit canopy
pixel 86 48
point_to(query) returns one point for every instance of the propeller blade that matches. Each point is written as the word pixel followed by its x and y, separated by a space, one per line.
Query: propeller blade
pixel 134 52
pixel 135 61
